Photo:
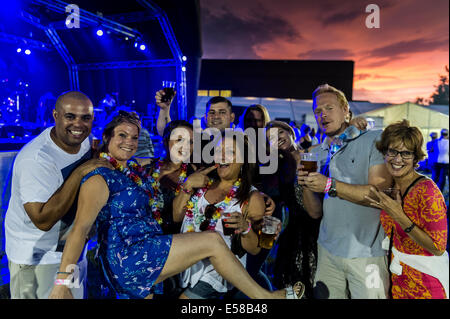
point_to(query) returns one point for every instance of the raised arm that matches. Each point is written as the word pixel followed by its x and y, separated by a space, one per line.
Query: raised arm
pixel 94 194
pixel 164 112
pixel 45 215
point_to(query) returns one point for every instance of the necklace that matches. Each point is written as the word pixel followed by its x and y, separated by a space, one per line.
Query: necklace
pixel 136 178
pixel 193 216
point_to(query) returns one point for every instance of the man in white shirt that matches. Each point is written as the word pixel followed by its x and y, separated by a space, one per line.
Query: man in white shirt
pixel 43 199
pixel 440 168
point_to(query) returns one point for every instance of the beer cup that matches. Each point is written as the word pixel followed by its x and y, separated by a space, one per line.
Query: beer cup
pixel 309 162
pixel 169 91
pixel 268 232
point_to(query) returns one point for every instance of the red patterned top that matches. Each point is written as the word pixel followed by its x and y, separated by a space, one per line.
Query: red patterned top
pixel 425 206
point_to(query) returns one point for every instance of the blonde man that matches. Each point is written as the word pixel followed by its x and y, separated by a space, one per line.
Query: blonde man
pixel 351 261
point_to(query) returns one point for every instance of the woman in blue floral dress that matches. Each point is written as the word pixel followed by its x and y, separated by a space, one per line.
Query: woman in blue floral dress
pixel 136 255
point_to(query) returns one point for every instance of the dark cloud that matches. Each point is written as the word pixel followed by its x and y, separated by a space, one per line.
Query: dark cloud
pixel 343 17
pixel 329 54
pixel 343 12
pixel 402 48
pixel 230 36
pixel 364 76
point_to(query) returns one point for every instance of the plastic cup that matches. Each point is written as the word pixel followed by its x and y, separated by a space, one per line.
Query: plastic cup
pixel 268 232
pixel 309 162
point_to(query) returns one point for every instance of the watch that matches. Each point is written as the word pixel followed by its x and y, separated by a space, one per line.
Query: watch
pixel 332 192
pixel 408 229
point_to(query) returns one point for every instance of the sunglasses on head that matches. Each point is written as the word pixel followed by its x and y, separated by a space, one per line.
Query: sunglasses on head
pixel 130 115
pixel 209 212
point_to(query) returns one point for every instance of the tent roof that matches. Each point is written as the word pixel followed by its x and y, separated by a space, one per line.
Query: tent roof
pixel 439 108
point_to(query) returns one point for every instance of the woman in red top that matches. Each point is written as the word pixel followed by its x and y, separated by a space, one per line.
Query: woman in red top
pixel 415 221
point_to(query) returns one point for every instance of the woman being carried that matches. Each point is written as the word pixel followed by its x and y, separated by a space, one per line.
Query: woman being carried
pixel 135 253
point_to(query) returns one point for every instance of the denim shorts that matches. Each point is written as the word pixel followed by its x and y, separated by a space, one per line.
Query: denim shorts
pixel 203 290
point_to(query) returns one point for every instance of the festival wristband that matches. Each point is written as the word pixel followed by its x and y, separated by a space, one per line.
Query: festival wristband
pixel 248 229
pixel 328 186
pixel 63 282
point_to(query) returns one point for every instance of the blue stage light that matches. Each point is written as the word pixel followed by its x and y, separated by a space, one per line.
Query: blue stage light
pixel 27 52
pixel 99 32
pixel 142 47
pixel 183 69
pixel 19 50
pixel 184 58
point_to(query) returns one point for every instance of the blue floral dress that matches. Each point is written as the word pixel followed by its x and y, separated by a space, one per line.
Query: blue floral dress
pixel 132 247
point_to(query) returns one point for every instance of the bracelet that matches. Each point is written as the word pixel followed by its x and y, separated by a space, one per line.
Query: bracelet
pixel 328 186
pixel 63 282
pixel 63 273
pixel 248 229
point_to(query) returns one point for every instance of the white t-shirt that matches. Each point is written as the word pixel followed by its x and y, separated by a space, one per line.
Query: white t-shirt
pixel 39 170
pixel 204 270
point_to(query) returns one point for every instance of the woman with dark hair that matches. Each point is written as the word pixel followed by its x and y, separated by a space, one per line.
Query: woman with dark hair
pixel 255 116
pixel 134 252
pixel 170 172
pixel 414 219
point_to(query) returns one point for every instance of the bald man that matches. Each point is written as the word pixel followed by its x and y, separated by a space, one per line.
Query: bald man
pixel 46 176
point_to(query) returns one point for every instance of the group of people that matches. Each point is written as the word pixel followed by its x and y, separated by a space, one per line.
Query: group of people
pixel 157 220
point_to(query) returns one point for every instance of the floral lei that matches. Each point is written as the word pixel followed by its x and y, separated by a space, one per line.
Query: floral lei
pixel 157 200
pixel 156 205
pixel 192 212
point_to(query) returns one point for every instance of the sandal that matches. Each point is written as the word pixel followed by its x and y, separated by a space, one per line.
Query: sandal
pixel 290 291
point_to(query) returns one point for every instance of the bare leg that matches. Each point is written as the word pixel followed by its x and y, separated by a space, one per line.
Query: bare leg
pixel 189 248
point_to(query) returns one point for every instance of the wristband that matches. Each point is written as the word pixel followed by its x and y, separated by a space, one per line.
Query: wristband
pixel 63 282
pixel 63 273
pixel 248 229
pixel 328 186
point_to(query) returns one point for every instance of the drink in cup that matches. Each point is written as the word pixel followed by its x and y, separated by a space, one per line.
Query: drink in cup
pixel 227 231
pixel 268 232
pixel 309 162
pixel 169 91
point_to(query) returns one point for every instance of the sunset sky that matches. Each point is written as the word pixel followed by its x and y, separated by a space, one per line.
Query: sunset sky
pixel 395 63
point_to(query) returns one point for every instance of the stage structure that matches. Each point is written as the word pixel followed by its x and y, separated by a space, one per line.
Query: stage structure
pixel 86 18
